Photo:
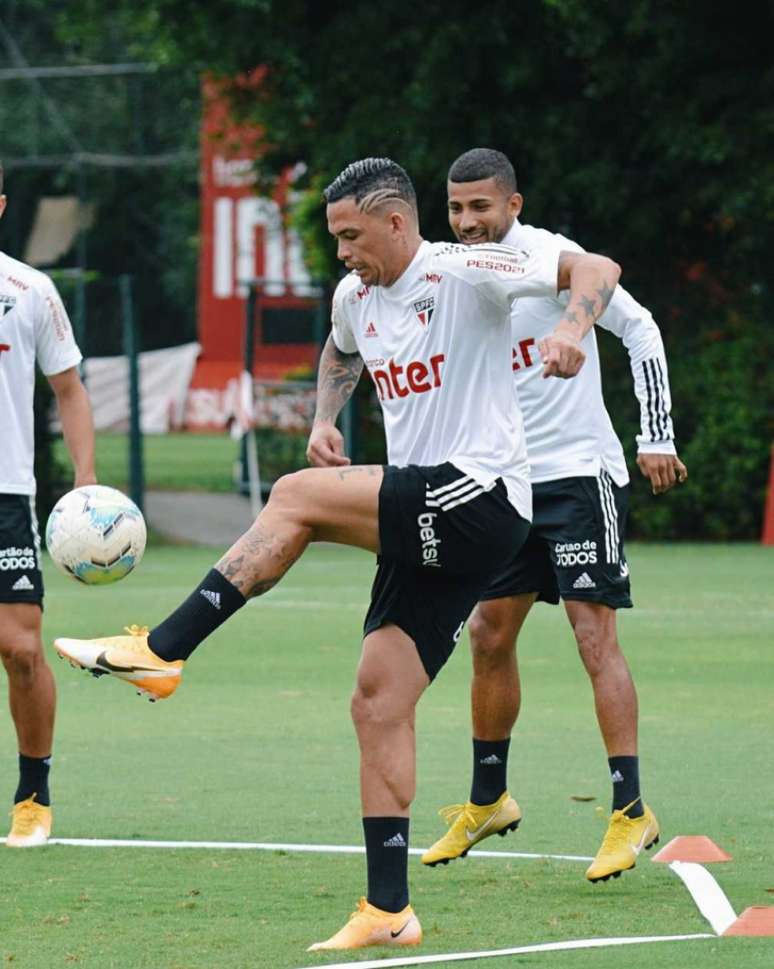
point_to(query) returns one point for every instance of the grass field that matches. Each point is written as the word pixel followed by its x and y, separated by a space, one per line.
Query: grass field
pixel 257 746
pixel 185 462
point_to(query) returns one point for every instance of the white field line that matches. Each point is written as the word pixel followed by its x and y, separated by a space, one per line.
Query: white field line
pixel 267 846
pixel 518 950
pixel 709 897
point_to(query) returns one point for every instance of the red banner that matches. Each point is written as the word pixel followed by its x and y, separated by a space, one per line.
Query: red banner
pixel 244 237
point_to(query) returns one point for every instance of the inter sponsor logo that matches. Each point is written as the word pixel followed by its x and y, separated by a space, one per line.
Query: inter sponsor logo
pixel 427 536
pixel 416 377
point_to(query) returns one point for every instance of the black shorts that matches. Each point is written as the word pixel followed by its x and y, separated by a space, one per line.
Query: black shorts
pixel 20 577
pixel 574 549
pixel 443 536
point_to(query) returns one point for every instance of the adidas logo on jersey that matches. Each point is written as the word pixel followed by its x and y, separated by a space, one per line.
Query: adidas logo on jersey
pixel 491 760
pixel 22 585
pixel 212 597
pixel 396 841
pixel 584 581
pixel 371 330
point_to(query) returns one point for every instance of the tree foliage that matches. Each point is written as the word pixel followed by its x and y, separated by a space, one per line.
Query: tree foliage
pixel 645 130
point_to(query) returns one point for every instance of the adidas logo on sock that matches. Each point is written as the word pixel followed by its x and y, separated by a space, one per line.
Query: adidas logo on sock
pixel 491 760
pixel 616 777
pixel 22 585
pixel 212 597
pixel 396 841
pixel 584 581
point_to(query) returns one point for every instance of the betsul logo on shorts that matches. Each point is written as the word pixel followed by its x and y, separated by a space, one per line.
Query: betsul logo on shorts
pixel 13 559
pixel 430 541
pixel 576 553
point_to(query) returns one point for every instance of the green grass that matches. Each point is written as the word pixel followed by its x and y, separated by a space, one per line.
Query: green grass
pixel 172 462
pixel 257 746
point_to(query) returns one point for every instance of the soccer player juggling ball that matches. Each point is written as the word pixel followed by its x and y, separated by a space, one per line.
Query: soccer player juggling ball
pixel 431 322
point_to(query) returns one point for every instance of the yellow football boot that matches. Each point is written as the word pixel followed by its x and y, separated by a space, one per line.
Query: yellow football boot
pixel 127 657
pixel 371 926
pixel 31 826
pixel 624 840
pixel 470 823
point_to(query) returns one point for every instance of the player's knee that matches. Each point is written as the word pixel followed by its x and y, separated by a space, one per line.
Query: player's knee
pixel 22 654
pixel 596 644
pixel 289 495
pixel 375 705
pixel 490 640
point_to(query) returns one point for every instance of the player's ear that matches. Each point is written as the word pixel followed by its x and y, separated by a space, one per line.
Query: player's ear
pixel 515 204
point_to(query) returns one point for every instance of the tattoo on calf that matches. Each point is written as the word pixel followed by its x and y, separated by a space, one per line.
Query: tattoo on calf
pixel 259 552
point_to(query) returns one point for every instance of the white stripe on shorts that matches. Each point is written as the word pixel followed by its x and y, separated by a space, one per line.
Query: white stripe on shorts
pixel 448 487
pixel 35 532
pixel 610 515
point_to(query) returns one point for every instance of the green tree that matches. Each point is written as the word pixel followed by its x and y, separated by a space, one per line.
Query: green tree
pixel 645 130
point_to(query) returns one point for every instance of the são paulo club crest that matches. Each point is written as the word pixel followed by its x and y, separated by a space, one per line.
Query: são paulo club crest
pixel 7 303
pixel 424 309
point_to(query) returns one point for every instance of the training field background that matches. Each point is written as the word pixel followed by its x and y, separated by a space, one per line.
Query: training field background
pixel 257 746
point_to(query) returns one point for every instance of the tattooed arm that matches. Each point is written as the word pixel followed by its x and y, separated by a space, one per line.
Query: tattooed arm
pixel 337 377
pixel 591 280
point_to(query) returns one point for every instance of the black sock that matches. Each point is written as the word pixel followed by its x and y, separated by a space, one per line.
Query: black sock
pixel 211 603
pixel 490 766
pixel 625 775
pixel 386 841
pixel 33 779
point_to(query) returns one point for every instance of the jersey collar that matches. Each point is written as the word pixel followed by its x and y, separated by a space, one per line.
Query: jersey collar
pixel 408 277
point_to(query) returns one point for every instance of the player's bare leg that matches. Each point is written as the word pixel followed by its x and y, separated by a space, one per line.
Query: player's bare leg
pixel 495 690
pixel 615 697
pixel 495 698
pixel 32 699
pixel 633 825
pixel 390 681
pixel 316 504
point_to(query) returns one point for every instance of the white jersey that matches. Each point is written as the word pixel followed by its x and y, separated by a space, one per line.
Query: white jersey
pixel 33 326
pixel 568 429
pixel 437 346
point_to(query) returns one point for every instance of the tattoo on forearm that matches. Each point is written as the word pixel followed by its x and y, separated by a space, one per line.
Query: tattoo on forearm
pixel 605 294
pixel 590 308
pixel 587 305
pixel 336 380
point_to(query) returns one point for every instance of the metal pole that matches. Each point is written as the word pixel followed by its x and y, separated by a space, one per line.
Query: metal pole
pixel 136 477
pixel 247 361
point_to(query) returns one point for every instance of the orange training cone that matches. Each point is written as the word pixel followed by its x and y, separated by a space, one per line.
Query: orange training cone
pixel 756 920
pixel 691 847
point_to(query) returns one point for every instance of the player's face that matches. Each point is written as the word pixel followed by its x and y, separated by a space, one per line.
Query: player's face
pixel 369 243
pixel 481 211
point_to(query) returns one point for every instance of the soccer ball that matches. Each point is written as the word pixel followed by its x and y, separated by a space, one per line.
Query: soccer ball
pixel 96 534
